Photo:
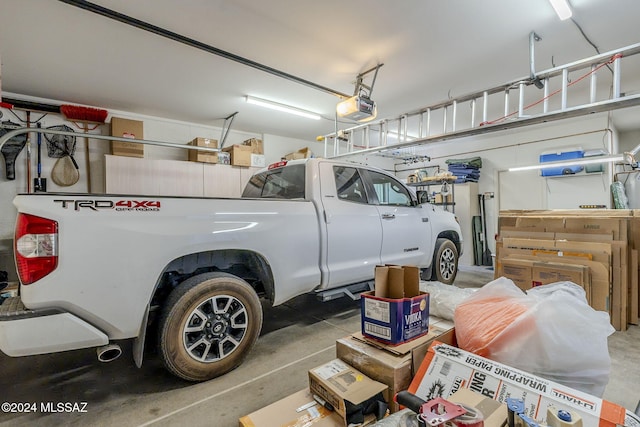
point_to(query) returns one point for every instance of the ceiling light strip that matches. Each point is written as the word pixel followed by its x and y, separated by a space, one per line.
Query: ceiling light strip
pixel 562 8
pixel 282 107
pixel 587 161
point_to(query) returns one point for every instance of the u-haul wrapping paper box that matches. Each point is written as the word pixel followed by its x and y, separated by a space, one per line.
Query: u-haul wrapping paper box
pixel 446 369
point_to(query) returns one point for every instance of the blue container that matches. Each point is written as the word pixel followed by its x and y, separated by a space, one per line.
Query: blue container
pixel 559 157
pixel 394 321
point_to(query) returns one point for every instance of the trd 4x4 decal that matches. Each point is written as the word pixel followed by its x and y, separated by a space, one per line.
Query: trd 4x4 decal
pixel 119 205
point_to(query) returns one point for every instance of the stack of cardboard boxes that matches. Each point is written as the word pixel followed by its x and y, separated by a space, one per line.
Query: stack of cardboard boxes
pixel 367 363
pixel 429 365
pixel 597 249
pixel 204 156
pixel 249 154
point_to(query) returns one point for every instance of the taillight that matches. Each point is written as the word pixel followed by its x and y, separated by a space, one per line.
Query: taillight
pixel 36 247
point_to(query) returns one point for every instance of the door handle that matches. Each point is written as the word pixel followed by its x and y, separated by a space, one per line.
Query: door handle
pixel 388 216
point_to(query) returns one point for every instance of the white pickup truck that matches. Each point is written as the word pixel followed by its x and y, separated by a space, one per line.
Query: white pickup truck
pixel 96 269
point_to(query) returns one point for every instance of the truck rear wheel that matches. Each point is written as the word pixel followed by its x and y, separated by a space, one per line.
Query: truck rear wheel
pixel 445 261
pixel 208 326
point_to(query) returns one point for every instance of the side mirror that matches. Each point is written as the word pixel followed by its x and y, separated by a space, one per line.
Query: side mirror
pixel 423 196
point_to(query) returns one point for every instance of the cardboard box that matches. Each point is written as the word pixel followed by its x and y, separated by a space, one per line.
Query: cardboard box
pixel 240 155
pixel 394 366
pixel 341 385
pixel 618 227
pixel 203 156
pixel 447 369
pixel 397 281
pixel 550 272
pixel 396 311
pixel 303 153
pixel 255 144
pixel 528 273
pixel 285 413
pixel 520 271
pixel 258 160
pixel 394 320
pixel 125 128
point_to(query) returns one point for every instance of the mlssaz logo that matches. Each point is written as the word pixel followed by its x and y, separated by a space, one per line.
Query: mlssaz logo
pixel 119 205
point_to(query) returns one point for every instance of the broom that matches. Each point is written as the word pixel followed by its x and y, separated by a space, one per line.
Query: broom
pixel 85 115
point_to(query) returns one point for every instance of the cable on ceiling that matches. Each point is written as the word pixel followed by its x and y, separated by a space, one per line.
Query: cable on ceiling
pixel 112 14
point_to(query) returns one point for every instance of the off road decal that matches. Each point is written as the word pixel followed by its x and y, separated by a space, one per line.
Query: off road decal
pixel 118 205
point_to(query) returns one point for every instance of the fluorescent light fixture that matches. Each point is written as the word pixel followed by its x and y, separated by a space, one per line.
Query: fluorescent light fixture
pixel 282 107
pixel 587 161
pixel 562 8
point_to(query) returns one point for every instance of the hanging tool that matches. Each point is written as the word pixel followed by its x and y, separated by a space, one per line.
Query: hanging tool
pixel 82 117
pixel 486 255
pixel 65 171
pixel 11 148
pixel 39 183
pixel 28 159
pixel 28 108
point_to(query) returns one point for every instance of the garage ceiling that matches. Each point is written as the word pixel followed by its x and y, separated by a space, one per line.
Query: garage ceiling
pixel 431 50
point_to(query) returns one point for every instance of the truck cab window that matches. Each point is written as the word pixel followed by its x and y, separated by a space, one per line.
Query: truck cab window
pixel 389 191
pixel 349 185
pixel 283 183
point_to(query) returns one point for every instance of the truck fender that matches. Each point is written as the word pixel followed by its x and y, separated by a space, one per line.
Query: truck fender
pixel 221 260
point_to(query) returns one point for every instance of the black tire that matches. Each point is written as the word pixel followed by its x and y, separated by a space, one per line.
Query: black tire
pixel 445 262
pixel 220 337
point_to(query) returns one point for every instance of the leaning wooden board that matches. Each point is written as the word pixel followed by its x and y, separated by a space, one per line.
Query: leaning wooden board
pixel 620 228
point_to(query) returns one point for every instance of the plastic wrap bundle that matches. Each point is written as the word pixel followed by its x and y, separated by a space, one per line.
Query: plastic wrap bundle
pixel 551 331
pixel 443 299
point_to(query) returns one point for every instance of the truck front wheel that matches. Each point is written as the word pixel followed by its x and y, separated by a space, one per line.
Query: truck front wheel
pixel 208 326
pixel 445 262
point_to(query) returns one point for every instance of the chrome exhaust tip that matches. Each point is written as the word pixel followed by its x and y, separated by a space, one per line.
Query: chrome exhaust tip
pixel 109 352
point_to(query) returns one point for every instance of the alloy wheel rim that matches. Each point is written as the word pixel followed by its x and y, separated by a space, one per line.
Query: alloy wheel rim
pixel 447 264
pixel 215 328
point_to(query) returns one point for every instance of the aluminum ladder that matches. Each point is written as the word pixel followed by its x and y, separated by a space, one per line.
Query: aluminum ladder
pixel 491 110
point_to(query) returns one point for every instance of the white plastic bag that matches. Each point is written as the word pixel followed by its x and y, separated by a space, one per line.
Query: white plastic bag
pixel 443 299
pixel 551 331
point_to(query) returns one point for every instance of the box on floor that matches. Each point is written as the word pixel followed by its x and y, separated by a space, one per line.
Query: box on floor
pixel 288 412
pixel 393 366
pixel 447 369
pixel 396 311
pixel 341 387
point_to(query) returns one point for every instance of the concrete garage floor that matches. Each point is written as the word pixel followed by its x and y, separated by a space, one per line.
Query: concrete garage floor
pixel 296 337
